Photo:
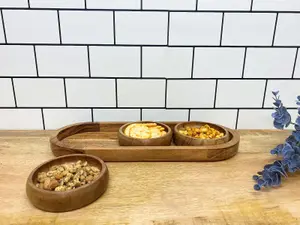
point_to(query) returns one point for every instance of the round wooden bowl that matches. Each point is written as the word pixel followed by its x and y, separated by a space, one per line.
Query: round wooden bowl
pixel 53 201
pixel 181 139
pixel 165 140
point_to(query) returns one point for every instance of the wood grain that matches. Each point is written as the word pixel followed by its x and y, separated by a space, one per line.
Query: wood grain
pixel 106 146
pixel 53 201
pixel 149 193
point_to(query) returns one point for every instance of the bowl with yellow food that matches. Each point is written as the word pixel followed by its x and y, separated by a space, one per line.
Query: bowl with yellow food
pixel 145 133
pixel 200 133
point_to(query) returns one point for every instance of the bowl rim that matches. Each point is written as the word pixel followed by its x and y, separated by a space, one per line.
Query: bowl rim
pixel 157 138
pixel 102 173
pixel 193 138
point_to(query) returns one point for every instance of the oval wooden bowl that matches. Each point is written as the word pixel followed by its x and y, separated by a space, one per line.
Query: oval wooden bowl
pixel 53 201
pixel 165 140
pixel 181 139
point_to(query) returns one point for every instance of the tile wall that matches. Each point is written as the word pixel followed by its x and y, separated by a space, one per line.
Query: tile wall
pixel 66 61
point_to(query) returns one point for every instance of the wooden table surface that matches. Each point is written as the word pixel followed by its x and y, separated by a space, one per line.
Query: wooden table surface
pixel 157 193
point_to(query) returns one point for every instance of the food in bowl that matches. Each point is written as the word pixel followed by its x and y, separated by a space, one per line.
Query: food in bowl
pixel 203 132
pixel 67 176
pixel 144 130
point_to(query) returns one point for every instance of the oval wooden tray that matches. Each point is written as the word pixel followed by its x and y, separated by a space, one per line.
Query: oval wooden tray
pixel 100 139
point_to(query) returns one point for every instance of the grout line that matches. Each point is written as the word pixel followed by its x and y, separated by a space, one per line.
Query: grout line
pixel 275 27
pixel 264 96
pixel 43 118
pixel 152 45
pixel 3 25
pixel 141 114
pixel 216 90
pixel 116 92
pixel 196 5
pixel 141 4
pixel 166 92
pixel 85 4
pixel 28 1
pixel 65 90
pixel 193 62
pixel 114 26
pixel 189 115
pixel 237 118
pixel 92 114
pixel 35 60
pixel 14 92
pixel 222 25
pixel 59 28
pixel 141 62
pixel 156 10
pixel 147 78
pixel 168 108
pixel 244 62
pixel 168 30
pixel 89 62
pixel 294 67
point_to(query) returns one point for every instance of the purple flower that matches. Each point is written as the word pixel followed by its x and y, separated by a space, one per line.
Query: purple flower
pixel 296 134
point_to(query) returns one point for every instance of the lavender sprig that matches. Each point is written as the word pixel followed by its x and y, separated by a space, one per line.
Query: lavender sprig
pixel 289 152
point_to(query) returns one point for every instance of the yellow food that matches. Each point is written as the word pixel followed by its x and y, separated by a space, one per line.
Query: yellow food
pixel 203 132
pixel 144 130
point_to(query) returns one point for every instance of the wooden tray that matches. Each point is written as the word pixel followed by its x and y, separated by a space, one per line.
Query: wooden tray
pixel 100 139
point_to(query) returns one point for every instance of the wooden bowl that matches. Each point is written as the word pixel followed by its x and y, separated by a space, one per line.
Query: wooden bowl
pixel 181 139
pixel 53 201
pixel 125 140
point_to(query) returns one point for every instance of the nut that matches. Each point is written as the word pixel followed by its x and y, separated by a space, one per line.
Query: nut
pixel 67 176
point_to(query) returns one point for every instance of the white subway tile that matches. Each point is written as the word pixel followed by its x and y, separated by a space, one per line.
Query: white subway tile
pixel 276 5
pixel 37 92
pixel 57 3
pixel 170 4
pixel 248 29
pixel 13 3
pixel 269 62
pixel 2 39
pixel 112 61
pixel 165 115
pixel 222 117
pixel 167 62
pixel 57 118
pixel 194 28
pixel 190 93
pixel 86 27
pixel 297 67
pixel 6 93
pixel 141 27
pixel 260 119
pixel 218 62
pixel 141 93
pixel 17 61
pixel 15 119
pixel 116 115
pixel 287 31
pixel 31 26
pixel 62 60
pixel 240 93
pixel 113 4
pixel 224 4
pixel 91 92
pixel 288 91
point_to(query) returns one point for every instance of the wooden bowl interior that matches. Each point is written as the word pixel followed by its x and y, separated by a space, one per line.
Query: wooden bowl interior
pixel 59 161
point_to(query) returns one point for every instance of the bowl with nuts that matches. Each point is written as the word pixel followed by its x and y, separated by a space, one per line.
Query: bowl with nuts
pixel 146 133
pixel 200 133
pixel 67 182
